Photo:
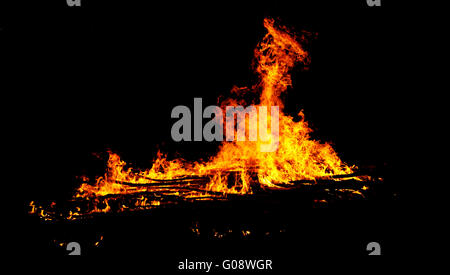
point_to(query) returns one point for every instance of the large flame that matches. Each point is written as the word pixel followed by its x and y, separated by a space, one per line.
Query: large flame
pixel 239 166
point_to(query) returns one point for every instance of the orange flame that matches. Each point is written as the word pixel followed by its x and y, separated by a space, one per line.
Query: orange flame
pixel 240 163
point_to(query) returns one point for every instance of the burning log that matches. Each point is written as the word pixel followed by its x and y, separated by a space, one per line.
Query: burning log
pixel 165 182
pixel 175 179
pixel 150 196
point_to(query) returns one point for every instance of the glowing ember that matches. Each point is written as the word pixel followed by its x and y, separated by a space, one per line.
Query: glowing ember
pixel 241 163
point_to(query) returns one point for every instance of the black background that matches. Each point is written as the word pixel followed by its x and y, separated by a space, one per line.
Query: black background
pixel 107 75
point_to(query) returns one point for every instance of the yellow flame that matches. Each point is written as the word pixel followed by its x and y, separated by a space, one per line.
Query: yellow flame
pixel 298 157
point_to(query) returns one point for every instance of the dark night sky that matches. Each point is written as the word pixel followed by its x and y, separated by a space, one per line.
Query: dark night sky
pixel 107 75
